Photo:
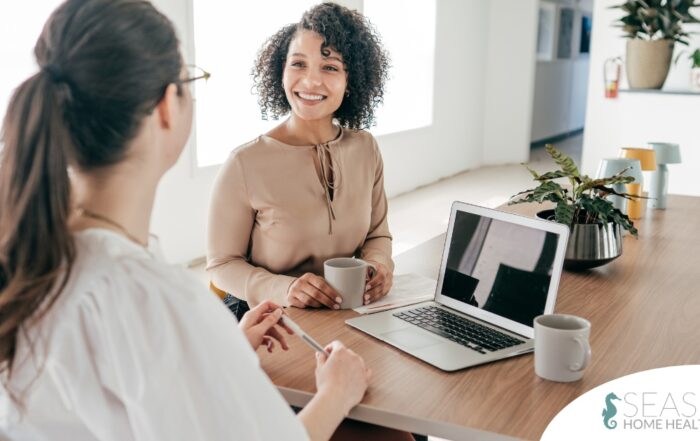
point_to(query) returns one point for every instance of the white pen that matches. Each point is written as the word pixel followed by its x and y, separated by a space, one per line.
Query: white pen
pixel 302 335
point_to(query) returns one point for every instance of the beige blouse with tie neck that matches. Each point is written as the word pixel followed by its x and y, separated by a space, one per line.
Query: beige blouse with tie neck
pixel 279 211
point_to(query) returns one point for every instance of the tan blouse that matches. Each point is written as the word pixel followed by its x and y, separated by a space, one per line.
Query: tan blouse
pixel 274 217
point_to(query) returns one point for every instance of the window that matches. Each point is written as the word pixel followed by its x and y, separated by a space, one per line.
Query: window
pixel 227 37
pixel 410 41
pixel 18 35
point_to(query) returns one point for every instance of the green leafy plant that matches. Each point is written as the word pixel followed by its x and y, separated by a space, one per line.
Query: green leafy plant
pixel 657 19
pixel 585 202
pixel 694 57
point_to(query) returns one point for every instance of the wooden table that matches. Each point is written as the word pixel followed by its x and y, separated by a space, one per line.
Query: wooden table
pixel 644 309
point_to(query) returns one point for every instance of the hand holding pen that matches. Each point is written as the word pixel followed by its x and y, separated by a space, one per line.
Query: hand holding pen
pixel 290 324
pixel 340 372
pixel 260 326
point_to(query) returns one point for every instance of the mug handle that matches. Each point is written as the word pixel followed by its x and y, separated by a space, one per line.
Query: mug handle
pixel 372 268
pixel 586 351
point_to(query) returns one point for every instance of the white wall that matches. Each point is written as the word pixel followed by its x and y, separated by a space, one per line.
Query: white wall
pixel 510 75
pixel 453 142
pixel 179 215
pixel 560 85
pixel 636 118
pixel 481 113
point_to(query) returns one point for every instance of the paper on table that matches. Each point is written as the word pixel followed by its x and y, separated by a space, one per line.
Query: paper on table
pixel 406 290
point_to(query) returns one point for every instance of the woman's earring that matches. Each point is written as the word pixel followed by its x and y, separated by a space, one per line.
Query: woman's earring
pixel 347 92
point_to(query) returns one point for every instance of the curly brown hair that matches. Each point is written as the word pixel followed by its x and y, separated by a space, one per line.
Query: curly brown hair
pixel 351 35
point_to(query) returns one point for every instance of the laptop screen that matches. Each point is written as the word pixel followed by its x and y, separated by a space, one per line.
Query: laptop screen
pixel 500 267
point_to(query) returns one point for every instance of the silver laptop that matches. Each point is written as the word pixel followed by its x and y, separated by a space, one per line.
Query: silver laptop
pixel 498 272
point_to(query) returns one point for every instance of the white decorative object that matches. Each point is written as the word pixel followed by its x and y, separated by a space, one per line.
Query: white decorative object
pixel 612 166
pixel 695 79
pixel 666 153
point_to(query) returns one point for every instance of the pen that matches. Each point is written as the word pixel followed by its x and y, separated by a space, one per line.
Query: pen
pixel 303 335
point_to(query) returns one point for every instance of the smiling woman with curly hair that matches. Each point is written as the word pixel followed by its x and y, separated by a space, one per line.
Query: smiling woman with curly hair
pixel 311 188
pixel 351 35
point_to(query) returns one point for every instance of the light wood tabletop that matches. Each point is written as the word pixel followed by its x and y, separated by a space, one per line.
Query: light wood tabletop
pixel 643 308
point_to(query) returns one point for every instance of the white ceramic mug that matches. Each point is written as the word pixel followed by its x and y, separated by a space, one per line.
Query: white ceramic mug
pixel 562 350
pixel 348 276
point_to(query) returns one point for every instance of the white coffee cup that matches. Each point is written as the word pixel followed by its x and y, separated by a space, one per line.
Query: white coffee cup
pixel 562 350
pixel 348 276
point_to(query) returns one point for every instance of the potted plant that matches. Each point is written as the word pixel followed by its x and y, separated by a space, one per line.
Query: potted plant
pixel 652 28
pixel 595 224
pixel 694 57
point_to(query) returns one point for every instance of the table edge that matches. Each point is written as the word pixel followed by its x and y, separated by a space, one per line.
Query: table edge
pixel 373 415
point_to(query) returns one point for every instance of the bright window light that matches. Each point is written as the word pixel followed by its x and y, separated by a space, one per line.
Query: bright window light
pixel 227 37
pixel 18 35
pixel 409 37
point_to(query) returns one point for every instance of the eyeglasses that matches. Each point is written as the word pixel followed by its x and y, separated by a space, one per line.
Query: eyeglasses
pixel 194 73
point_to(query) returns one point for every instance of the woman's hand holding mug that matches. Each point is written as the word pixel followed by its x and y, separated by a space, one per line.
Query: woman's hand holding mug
pixel 312 290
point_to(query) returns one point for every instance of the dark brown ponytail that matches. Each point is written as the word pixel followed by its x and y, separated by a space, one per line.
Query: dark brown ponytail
pixel 105 65
pixel 35 203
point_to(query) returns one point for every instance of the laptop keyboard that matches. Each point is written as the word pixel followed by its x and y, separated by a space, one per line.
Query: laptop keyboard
pixel 458 329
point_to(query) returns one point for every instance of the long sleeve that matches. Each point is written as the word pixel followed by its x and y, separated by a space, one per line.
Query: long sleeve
pixel 269 214
pixel 231 221
pixel 377 246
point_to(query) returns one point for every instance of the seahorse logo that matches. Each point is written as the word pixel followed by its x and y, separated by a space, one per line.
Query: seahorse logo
pixel 610 411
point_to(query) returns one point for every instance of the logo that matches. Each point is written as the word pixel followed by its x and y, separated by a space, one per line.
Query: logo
pixel 610 410
pixel 659 404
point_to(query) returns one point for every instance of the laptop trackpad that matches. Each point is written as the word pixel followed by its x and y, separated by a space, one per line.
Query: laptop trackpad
pixel 411 338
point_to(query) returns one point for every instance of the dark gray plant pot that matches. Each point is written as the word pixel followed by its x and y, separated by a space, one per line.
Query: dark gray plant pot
pixel 590 245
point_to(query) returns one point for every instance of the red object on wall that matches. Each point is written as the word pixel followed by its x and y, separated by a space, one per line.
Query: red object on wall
pixel 611 76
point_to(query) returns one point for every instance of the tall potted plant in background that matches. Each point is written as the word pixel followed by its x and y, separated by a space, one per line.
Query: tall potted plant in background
pixel 652 28
pixel 595 223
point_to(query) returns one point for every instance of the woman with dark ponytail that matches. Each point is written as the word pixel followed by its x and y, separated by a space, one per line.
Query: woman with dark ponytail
pixel 99 339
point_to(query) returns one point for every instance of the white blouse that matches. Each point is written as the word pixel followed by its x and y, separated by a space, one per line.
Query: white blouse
pixel 134 349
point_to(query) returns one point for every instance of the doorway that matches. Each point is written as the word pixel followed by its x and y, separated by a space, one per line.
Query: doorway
pixel 561 77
